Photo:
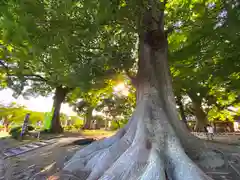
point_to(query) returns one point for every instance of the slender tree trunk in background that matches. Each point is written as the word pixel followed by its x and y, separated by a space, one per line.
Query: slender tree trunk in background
pixel 181 109
pixel 155 140
pixel 88 118
pixel 215 127
pixel 199 113
pixel 59 97
pixel 6 124
pixel 201 117
pixel 106 124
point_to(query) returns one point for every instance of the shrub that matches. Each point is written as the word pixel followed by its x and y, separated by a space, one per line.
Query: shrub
pixel 30 128
pixel 115 126
pixel 16 131
pixel 68 128
pixel 78 126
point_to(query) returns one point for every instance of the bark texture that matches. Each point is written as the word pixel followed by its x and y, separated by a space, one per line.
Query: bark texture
pixel 6 124
pixel 88 118
pixel 201 117
pixel 199 113
pixel 60 94
pixel 148 140
pixel 154 143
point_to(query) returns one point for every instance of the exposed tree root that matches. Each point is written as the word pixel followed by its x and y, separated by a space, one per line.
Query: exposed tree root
pixel 99 149
pixel 146 149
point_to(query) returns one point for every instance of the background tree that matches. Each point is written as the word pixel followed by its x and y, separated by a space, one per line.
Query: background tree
pixel 119 105
pixel 59 61
pixel 85 102
pixel 85 109
pixel 195 54
pixel 14 114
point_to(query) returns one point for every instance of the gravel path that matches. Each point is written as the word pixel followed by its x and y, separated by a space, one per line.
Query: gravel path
pixel 47 159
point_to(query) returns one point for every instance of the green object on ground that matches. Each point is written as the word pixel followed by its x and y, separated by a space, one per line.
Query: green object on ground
pixel 48 119
pixel 15 132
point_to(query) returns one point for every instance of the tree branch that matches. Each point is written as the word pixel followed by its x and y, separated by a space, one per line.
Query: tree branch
pixel 4 65
pixel 24 75
pixel 80 105
pixel 32 77
pixel 35 75
pixel 161 21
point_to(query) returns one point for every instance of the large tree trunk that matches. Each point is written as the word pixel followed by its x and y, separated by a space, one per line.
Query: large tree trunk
pixel 88 118
pixel 154 139
pixel 60 94
pixel 199 113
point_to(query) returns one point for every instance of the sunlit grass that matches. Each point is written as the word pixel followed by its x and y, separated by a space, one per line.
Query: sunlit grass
pixel 98 133
pixel 4 134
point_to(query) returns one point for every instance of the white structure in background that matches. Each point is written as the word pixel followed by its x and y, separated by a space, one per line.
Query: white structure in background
pixel 1 122
pixel 236 125
pixel 109 124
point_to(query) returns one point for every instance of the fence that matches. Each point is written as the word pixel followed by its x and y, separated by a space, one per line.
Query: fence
pixel 216 134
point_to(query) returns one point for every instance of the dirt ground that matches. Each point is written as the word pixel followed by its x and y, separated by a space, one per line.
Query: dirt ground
pixel 45 160
pixel 49 159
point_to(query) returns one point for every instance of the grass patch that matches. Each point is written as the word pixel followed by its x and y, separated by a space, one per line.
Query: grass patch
pixel 9 142
pixel 98 133
pixel 4 134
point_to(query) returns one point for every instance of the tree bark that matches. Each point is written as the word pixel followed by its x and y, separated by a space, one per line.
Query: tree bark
pixel 201 117
pixel 199 113
pixel 6 124
pixel 59 97
pixel 106 124
pixel 88 118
